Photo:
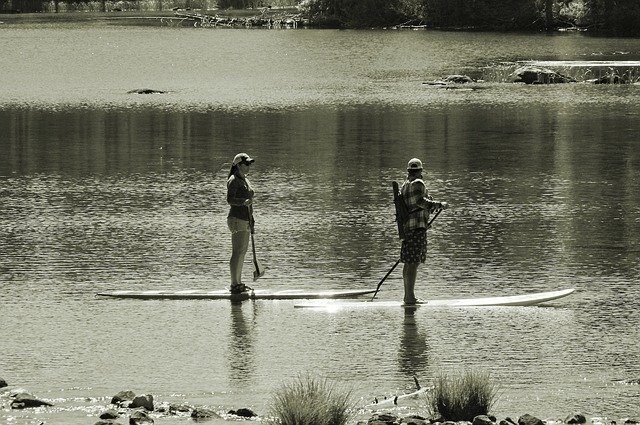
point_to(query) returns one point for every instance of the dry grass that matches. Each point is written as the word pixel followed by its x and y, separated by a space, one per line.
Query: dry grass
pixel 311 401
pixel 462 396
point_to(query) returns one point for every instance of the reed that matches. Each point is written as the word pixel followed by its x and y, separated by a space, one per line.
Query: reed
pixel 462 396
pixel 310 400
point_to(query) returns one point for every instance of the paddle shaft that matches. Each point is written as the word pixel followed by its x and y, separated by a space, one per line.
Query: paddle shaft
pixel 253 250
pixel 258 272
pixel 398 262
pixel 385 278
pixel 434 217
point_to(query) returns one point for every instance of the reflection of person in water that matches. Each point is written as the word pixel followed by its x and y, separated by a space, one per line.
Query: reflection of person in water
pixel 240 355
pixel 413 356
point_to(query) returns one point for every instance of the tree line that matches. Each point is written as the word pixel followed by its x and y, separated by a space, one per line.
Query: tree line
pixel 610 17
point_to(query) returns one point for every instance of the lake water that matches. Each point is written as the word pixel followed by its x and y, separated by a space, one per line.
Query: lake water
pixel 102 190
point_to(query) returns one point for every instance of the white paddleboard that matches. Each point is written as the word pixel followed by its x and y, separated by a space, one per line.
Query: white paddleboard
pixel 258 294
pixel 583 64
pixel 512 300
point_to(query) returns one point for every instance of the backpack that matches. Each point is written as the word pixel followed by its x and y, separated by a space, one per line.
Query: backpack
pixel 402 212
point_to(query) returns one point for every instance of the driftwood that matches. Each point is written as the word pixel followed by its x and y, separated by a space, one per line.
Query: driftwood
pixel 264 20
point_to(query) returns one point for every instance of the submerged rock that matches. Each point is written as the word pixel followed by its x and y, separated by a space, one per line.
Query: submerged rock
pixel 144 400
pixel 458 79
pixel 3 383
pixel 576 419
pixel 109 414
pixel 414 420
pixel 483 420
pixel 140 417
pixel 535 75
pixel 383 419
pixel 26 400
pixel 527 419
pixel 243 413
pixel 146 91
pixel 610 79
pixel 179 408
pixel 204 413
pixel 450 79
pixel 123 398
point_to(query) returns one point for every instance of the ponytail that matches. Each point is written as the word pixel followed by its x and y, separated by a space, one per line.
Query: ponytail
pixel 233 170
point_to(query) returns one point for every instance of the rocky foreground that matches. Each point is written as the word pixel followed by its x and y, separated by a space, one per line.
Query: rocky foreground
pixel 127 407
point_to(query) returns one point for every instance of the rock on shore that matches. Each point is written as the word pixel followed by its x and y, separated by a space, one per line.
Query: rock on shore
pixel 137 408
pixel 386 418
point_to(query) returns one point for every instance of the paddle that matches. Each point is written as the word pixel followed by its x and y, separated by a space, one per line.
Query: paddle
pixel 398 262
pixel 258 269
pixel 385 278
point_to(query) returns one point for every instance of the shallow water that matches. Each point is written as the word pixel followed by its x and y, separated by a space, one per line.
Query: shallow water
pixel 104 190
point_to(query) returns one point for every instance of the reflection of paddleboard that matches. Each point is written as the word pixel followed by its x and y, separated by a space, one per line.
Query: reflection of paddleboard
pixel 258 294
pixel 512 300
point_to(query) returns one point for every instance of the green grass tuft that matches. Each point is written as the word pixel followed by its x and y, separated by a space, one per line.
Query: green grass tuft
pixel 311 401
pixel 462 396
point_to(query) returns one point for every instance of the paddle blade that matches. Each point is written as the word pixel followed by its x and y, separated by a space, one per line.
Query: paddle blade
pixel 259 270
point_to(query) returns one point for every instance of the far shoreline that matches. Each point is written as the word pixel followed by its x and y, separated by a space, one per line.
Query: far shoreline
pixel 172 17
pixel 125 16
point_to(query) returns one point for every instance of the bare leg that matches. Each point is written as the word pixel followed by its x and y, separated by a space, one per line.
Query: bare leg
pixel 409 275
pixel 239 245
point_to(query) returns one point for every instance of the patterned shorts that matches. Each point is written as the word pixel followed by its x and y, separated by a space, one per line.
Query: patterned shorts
pixel 414 247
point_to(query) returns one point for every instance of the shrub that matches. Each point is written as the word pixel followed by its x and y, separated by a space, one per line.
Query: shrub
pixel 358 13
pixel 613 17
pixel 462 396
pixel 483 14
pixel 312 401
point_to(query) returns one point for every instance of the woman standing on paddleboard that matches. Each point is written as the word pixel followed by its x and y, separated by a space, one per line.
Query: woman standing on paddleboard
pixel 414 245
pixel 240 218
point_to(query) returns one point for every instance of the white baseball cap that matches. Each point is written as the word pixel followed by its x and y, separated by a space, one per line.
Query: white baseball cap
pixel 242 157
pixel 414 164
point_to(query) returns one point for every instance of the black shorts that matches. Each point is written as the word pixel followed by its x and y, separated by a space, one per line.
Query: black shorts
pixel 414 247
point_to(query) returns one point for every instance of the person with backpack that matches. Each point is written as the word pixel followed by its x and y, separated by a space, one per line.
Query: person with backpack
pixel 413 222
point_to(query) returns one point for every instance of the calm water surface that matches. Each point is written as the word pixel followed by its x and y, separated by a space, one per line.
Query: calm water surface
pixel 100 190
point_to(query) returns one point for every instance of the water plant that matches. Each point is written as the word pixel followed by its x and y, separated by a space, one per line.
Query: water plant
pixel 461 396
pixel 310 400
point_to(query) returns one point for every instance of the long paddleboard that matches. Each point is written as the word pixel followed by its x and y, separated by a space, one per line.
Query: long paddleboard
pixel 512 300
pixel 258 294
